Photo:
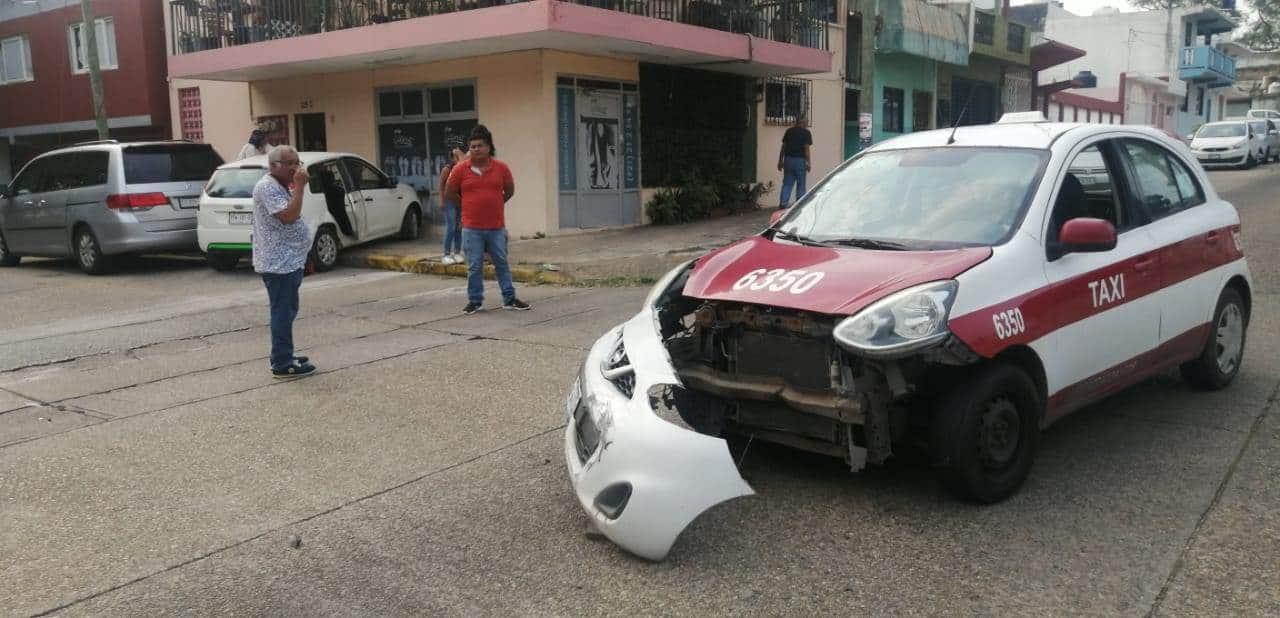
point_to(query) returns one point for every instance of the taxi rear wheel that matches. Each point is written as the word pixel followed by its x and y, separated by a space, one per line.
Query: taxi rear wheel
pixel 324 252
pixel 1219 361
pixel 985 432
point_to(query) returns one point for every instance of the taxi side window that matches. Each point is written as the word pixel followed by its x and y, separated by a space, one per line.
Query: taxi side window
pixel 1088 190
pixel 1164 185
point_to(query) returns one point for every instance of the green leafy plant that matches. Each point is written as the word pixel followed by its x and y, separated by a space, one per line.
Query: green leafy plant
pixel 664 207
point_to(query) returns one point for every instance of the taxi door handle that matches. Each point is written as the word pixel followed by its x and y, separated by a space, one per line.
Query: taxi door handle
pixel 1143 265
pixel 368 199
pixel 1211 237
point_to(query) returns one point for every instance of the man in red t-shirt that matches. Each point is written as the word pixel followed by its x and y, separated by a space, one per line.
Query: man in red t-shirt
pixel 482 185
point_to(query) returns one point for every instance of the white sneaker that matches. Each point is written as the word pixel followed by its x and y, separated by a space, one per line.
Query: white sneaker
pixel 458 259
pixel 448 259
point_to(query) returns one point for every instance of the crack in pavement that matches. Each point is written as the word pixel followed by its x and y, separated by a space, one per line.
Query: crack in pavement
pixel 261 386
pixel 1180 563
pixel 352 502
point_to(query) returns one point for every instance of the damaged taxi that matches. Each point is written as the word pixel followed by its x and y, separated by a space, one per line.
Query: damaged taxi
pixel 957 290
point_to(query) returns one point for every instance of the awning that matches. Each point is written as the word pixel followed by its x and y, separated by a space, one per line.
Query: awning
pixel 1051 53
pixel 920 29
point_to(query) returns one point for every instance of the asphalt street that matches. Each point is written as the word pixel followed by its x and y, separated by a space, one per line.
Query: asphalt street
pixel 150 465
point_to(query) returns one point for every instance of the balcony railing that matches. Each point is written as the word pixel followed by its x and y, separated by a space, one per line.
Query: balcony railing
pixel 1201 63
pixel 212 24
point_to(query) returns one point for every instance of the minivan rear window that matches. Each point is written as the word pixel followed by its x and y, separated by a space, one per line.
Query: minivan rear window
pixel 234 182
pixel 169 163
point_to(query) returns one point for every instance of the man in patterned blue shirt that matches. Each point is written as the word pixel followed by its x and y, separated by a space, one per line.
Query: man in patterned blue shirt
pixel 281 241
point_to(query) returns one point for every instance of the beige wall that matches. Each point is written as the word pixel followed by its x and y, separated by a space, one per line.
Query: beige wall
pixel 515 98
pixel 225 110
pixel 826 123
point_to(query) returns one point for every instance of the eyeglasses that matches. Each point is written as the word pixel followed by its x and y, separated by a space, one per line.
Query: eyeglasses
pixel 289 162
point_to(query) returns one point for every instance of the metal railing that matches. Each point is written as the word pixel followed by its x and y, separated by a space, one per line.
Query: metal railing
pixel 212 24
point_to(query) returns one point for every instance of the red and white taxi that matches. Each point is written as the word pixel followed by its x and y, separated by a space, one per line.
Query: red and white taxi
pixel 957 290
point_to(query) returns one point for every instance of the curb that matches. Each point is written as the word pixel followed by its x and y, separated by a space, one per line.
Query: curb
pixel 426 267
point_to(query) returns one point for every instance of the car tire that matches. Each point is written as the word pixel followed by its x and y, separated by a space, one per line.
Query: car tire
pixel 88 252
pixel 984 433
pixel 324 250
pixel 7 258
pixel 411 225
pixel 222 262
pixel 1223 352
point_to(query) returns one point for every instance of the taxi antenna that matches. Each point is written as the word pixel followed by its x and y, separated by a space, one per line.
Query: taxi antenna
pixel 951 139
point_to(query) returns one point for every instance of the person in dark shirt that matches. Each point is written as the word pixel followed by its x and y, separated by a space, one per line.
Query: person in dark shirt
pixel 793 160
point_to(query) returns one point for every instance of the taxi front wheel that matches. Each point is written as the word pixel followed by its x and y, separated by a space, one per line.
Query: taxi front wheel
pixel 985 432
pixel 1219 361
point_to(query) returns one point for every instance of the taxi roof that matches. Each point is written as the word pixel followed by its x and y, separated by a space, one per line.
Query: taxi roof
pixel 1039 135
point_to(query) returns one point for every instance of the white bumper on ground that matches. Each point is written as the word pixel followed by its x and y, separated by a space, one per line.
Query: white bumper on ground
pixel 644 479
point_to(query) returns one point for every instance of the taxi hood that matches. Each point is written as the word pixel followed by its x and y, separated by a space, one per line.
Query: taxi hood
pixel 851 278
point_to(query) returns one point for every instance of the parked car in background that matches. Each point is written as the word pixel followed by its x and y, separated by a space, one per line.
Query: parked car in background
pixel 97 200
pixel 1271 130
pixel 1232 143
pixel 1269 114
pixel 347 202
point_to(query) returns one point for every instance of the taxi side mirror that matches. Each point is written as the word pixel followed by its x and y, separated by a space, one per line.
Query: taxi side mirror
pixel 1086 235
pixel 777 216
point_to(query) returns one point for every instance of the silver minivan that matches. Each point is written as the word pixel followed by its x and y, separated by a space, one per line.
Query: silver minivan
pixel 100 199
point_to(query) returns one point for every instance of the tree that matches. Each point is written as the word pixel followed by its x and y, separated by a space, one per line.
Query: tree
pixel 1262 31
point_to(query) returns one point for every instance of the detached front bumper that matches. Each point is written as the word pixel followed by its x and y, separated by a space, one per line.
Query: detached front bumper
pixel 640 478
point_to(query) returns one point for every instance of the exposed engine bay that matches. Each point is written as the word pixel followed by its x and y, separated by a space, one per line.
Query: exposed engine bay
pixel 778 375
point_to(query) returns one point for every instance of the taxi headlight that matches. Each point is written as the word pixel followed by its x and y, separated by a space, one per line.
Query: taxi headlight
pixel 660 288
pixel 907 321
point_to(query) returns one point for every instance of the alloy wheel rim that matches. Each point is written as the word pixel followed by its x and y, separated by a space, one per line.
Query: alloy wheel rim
pixel 86 250
pixel 999 433
pixel 1230 338
pixel 327 249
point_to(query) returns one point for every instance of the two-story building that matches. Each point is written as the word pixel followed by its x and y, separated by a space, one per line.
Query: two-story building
pixel 996 80
pixel 45 96
pixel 592 102
pixel 1175 76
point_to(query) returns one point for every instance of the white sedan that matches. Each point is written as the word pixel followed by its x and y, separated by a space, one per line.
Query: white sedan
pixel 956 291
pixel 347 202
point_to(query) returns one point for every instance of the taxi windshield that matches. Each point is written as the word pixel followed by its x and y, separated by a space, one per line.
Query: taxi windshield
pixel 920 198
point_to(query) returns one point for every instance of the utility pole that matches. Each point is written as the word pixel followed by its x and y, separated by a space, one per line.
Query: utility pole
pixel 90 31
pixel 866 57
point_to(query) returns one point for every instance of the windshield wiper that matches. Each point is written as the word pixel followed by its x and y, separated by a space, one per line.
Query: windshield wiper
pixel 868 243
pixel 792 236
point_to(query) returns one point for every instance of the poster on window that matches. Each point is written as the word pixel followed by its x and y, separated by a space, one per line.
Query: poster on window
pixel 277 129
pixel 402 150
pixel 445 135
pixel 631 142
pixel 598 116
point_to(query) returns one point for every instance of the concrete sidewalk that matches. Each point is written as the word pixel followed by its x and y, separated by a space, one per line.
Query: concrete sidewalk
pixel 616 256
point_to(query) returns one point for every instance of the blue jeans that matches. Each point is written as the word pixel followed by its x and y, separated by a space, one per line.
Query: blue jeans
pixel 793 173
pixel 476 242
pixel 282 292
pixel 452 228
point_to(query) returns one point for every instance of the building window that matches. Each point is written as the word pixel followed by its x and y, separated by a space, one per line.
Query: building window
pixel 189 114
pixel 106 34
pixel 15 60
pixel 921 110
pixel 451 100
pixel 893 110
pixel 984 28
pixel 785 99
pixel 1017 38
